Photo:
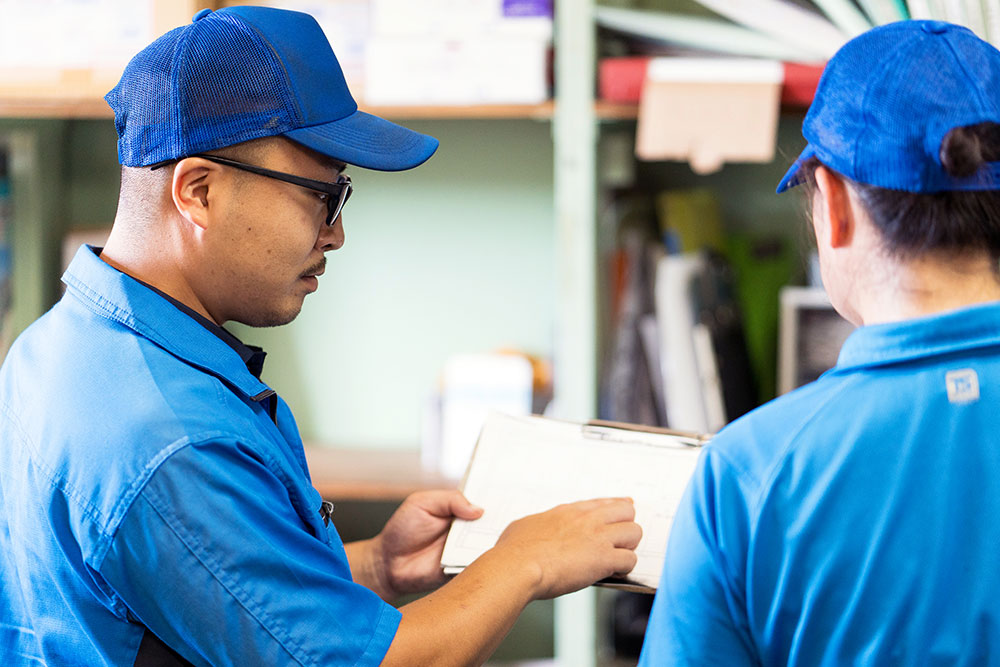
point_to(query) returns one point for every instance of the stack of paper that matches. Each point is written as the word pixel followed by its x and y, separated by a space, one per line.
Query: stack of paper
pixel 806 31
pixel 699 33
pixel 793 31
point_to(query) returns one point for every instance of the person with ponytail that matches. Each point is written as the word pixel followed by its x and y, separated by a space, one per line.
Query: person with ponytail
pixel 856 520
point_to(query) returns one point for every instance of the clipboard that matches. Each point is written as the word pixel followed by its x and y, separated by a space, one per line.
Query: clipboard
pixel 525 465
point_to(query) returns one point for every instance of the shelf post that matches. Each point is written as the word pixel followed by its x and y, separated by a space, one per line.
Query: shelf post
pixel 575 143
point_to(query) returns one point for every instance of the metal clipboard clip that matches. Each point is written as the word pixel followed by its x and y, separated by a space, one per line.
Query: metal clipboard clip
pixel 597 429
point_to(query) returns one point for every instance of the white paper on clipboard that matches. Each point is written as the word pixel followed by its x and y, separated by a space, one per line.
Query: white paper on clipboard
pixel 525 465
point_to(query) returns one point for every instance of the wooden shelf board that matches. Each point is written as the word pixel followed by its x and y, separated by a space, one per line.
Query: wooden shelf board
pixel 360 474
pixel 97 108
pixel 616 110
pixel 541 111
pixel 88 107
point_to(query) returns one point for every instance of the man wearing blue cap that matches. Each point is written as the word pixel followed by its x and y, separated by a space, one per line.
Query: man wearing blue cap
pixel 155 506
pixel 856 520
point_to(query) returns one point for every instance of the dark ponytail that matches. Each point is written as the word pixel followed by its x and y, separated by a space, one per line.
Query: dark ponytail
pixel 952 221
pixel 965 149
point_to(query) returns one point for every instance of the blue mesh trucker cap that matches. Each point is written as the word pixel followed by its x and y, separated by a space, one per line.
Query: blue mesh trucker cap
pixel 887 99
pixel 242 73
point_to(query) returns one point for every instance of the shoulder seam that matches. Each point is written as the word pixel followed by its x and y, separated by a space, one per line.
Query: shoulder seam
pixel 134 490
pixel 61 484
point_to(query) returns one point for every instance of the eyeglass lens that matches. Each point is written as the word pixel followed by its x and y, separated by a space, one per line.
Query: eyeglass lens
pixel 335 205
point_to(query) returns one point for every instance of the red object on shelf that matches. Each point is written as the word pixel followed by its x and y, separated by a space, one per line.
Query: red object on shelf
pixel 800 84
pixel 620 80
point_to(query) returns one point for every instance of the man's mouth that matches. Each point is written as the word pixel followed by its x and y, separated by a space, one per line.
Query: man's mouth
pixel 316 270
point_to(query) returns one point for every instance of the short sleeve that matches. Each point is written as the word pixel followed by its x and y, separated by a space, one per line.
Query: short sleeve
pixel 699 613
pixel 216 560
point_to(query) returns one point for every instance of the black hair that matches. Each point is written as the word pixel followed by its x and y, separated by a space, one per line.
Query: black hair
pixel 954 221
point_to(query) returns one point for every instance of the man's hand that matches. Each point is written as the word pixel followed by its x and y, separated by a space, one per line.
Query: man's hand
pixel 539 556
pixel 574 545
pixel 406 556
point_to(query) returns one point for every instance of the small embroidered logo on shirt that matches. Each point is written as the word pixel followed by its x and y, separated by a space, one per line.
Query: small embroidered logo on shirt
pixel 963 386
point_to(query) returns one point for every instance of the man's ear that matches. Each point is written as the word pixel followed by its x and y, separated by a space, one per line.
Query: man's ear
pixel 836 203
pixel 190 189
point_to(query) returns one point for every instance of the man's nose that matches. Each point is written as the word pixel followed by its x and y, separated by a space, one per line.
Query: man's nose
pixel 331 237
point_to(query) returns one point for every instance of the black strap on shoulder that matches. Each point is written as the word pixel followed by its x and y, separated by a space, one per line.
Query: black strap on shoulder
pixel 154 653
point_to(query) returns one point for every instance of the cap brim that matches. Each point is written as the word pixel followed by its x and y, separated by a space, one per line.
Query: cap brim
pixel 368 141
pixel 792 178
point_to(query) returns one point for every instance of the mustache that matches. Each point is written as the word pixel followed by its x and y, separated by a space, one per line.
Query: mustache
pixel 318 267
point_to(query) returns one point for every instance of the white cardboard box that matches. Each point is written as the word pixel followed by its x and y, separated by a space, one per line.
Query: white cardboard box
pixel 431 70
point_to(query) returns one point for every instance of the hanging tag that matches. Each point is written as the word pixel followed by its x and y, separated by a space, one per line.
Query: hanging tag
pixel 326 512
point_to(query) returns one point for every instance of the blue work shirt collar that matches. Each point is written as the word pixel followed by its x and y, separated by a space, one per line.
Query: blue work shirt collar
pixel 120 297
pixel 251 355
pixel 954 331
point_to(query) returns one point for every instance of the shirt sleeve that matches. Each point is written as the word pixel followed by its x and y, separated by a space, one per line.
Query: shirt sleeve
pixel 216 560
pixel 699 613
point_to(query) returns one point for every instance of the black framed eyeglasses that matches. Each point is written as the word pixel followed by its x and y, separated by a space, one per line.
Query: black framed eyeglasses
pixel 337 193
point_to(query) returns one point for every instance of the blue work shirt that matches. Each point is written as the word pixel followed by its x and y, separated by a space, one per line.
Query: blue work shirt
pixel 144 484
pixel 855 521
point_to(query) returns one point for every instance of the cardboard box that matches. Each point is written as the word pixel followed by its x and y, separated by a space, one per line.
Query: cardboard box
pixel 77 49
pixel 709 111
pixel 458 52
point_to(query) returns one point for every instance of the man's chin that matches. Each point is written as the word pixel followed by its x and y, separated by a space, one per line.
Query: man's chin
pixel 272 318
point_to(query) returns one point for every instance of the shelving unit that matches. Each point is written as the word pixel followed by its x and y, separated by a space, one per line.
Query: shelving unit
pixel 582 128
pixel 390 475
pixel 33 171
